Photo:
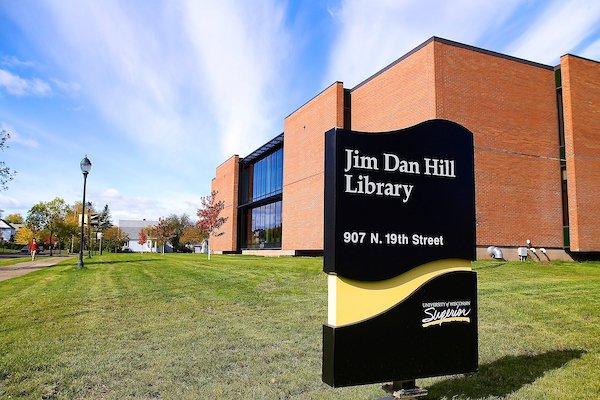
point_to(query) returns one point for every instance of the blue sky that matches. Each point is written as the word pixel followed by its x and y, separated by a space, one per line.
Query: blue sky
pixel 159 93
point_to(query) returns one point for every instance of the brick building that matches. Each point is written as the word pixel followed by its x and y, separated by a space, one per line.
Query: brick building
pixel 537 150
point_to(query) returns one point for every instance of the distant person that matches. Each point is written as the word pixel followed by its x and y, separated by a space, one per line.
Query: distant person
pixel 33 248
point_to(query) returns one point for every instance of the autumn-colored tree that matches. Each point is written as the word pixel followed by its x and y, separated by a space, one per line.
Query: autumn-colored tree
pixel 14 218
pixel 179 223
pixel 49 240
pixel 163 232
pixel 46 216
pixel 209 219
pixel 114 238
pixel 68 228
pixel 24 236
pixel 192 234
pixel 142 238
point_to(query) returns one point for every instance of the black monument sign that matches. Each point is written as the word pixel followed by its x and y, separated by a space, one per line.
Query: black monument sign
pixel 399 236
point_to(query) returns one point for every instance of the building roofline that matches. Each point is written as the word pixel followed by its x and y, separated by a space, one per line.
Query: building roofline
pixel 312 98
pixel 455 44
pixel 583 58
pixel 493 53
pixel 227 159
pixel 393 63
pixel 7 223
pixel 276 142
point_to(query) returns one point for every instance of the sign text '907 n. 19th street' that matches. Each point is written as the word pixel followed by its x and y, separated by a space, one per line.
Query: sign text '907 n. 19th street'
pixel 392 238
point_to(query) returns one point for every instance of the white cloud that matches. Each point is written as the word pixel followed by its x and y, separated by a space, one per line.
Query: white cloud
pixel 371 34
pixel 179 77
pixel 139 207
pixel 17 138
pixel 8 202
pixel 110 192
pixel 592 51
pixel 241 47
pixel 68 88
pixel 18 86
pixel 557 30
pixel 15 62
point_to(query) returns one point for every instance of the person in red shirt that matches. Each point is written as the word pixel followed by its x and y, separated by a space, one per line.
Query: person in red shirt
pixel 33 247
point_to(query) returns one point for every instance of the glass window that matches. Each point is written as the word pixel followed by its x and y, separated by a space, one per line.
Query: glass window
pixel 263 178
pixel 270 170
pixel 265 223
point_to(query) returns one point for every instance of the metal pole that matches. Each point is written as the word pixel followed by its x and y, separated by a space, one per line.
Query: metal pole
pixel 80 262
pixel 89 233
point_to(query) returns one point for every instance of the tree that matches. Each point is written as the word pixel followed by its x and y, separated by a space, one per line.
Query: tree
pixel 68 228
pixel 24 235
pixel 163 232
pixel 89 211
pixel 14 218
pixel 209 219
pixel 191 235
pixel 142 238
pixel 46 216
pixel 179 223
pixel 6 174
pixel 114 238
pixel 104 221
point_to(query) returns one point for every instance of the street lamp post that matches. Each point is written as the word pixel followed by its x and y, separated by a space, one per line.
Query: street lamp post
pixel 86 166
pixel 89 241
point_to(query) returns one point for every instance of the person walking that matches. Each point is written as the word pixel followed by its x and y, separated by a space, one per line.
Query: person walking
pixel 33 247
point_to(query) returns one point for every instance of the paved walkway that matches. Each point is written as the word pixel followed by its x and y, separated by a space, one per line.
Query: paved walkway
pixel 12 271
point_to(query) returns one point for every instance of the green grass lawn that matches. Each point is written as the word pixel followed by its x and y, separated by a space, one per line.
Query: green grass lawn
pixel 12 261
pixel 180 327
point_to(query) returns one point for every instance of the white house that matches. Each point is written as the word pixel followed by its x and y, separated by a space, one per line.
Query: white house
pixel 132 228
pixel 7 231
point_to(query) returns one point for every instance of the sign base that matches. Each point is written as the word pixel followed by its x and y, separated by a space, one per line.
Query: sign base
pixel 403 390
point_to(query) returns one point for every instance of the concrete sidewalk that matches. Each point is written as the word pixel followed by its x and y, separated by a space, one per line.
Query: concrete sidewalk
pixel 12 271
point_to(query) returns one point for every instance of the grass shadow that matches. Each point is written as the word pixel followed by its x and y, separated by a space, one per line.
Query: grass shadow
pixel 103 262
pixel 503 376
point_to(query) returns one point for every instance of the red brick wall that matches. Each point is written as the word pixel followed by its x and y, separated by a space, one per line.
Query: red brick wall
pixel 303 163
pixel 402 96
pixel 511 109
pixel 581 105
pixel 226 183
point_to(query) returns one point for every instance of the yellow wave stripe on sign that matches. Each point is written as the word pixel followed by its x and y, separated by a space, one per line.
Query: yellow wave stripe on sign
pixel 451 319
pixel 351 301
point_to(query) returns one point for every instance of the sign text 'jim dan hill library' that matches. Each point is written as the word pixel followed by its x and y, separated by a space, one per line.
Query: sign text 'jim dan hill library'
pixel 399 239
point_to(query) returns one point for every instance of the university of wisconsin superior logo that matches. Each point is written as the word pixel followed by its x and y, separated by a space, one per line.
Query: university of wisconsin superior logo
pixel 438 313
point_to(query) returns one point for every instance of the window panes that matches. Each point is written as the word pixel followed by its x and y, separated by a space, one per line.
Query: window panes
pixel 264 226
pixel 263 178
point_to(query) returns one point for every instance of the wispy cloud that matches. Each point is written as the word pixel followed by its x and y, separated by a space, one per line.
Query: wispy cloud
pixel 9 202
pixel 11 61
pixel 592 51
pixel 68 88
pixel 241 47
pixel 558 30
pixel 17 138
pixel 199 73
pixel 139 207
pixel 372 34
pixel 15 85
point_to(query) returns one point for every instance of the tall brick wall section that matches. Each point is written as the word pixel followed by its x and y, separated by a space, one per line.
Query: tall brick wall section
pixel 399 97
pixel 303 168
pixel 581 110
pixel 511 109
pixel 226 183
